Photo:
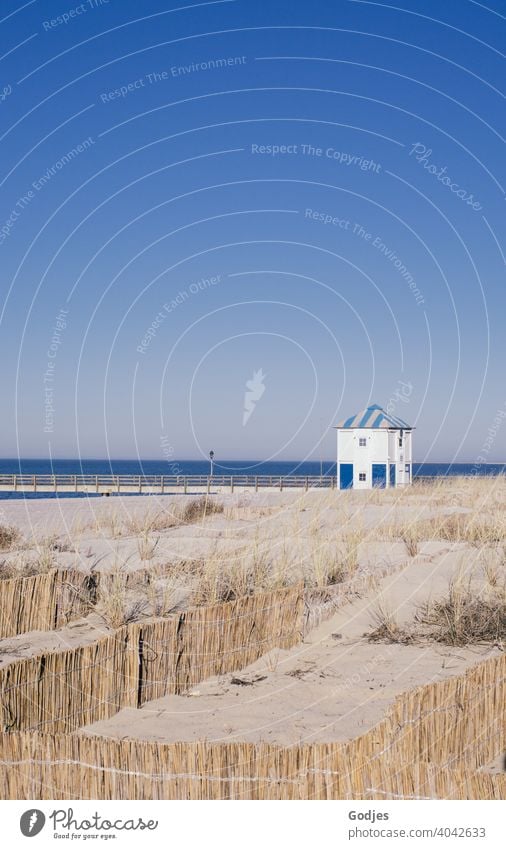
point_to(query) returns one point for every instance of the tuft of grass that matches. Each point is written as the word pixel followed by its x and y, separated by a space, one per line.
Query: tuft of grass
pixel 225 578
pixel 472 612
pixel 162 598
pixel 146 545
pixel 411 540
pixel 387 629
pixel 199 508
pixel 181 513
pixel 477 530
pixel 45 550
pixel 119 606
pixel 333 561
pixel 466 615
pixel 8 536
pixel 110 523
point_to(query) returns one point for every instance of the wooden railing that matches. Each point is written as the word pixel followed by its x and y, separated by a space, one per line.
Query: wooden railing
pixel 159 483
pixel 105 484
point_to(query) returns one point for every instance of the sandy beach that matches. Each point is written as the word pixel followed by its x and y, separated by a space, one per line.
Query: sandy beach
pixel 336 683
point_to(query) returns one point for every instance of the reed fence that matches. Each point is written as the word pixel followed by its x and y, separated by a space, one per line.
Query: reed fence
pixel 44 602
pixel 60 691
pixel 434 741
pixel 48 766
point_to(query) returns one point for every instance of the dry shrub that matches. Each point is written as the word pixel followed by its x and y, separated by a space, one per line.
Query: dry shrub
pixel 129 596
pixel 333 561
pixel 120 604
pixel 472 612
pixel 474 529
pixel 387 629
pixel 466 615
pixel 152 522
pixel 8 536
pixel 163 598
pixel 182 512
pixel 19 567
pixel 111 523
pixel 146 545
pixel 199 508
pixel 223 579
pixel 45 554
pixel 24 565
pixel 411 540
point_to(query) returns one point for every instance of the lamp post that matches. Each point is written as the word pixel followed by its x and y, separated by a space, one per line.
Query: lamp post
pixel 211 457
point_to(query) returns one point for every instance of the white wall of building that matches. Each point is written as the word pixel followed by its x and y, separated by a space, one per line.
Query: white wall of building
pixel 364 446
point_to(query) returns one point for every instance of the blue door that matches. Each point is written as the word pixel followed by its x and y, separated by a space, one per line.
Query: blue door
pixel 379 475
pixel 392 474
pixel 346 476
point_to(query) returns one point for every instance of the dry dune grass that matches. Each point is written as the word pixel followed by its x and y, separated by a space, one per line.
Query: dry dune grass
pixel 302 546
pixel 126 596
pixel 120 605
pixel 387 629
pixel 199 508
pixel 22 566
pixel 471 612
pixel 478 530
pixel 319 539
pixel 25 562
pixel 32 556
pixel 325 562
pixel 8 536
pixel 181 512
pixel 468 614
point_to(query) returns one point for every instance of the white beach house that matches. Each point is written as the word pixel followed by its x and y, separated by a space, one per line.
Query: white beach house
pixel 373 450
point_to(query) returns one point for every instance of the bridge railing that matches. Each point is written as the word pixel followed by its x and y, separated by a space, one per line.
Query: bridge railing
pixel 118 482
pixel 103 483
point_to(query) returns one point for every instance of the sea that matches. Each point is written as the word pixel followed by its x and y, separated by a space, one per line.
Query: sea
pixel 201 467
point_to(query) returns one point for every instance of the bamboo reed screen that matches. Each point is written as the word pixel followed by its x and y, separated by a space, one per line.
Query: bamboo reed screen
pixel 62 690
pixel 44 602
pixel 434 742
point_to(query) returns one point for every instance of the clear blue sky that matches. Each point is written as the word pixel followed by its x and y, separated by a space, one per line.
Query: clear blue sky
pixel 333 172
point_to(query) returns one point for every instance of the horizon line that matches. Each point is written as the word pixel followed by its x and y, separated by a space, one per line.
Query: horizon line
pixel 228 460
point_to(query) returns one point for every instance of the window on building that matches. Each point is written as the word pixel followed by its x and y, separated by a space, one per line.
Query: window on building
pixel 407 468
pixel 400 441
pixel 361 476
pixel 362 441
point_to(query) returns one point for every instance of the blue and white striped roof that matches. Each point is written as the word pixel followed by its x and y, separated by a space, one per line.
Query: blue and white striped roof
pixel 374 416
